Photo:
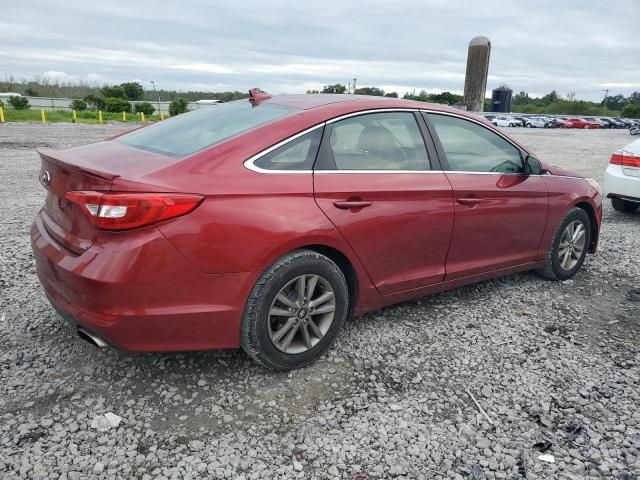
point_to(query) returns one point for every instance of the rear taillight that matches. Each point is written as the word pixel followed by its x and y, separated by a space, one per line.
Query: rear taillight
pixel 124 211
pixel 625 159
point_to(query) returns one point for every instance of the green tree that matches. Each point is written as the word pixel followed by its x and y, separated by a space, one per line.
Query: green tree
pixel 375 91
pixel 31 92
pixel 117 105
pixel 19 103
pixel 631 110
pixel 144 107
pixel 634 98
pixel 522 98
pixel 96 102
pixel 550 98
pixel 615 102
pixel 132 90
pixel 79 105
pixel 313 91
pixel 391 94
pixel 178 106
pixel 336 88
pixel 447 98
pixel 115 91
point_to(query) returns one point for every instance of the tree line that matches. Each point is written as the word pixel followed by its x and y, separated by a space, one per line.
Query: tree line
pixel 116 98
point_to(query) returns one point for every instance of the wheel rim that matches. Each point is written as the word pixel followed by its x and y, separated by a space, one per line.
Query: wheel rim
pixel 301 314
pixel 572 245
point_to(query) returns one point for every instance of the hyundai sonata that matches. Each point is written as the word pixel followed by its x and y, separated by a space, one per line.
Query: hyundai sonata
pixel 264 223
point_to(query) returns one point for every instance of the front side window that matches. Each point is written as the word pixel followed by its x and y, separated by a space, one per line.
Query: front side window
pixel 470 147
pixel 378 141
pixel 298 154
pixel 190 132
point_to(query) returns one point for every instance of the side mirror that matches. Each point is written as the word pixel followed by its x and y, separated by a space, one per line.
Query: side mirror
pixel 532 166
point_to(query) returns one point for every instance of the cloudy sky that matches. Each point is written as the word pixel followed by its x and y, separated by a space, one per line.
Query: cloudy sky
pixel 584 46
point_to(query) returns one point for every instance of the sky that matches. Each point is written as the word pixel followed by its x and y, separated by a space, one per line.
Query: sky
pixel 581 46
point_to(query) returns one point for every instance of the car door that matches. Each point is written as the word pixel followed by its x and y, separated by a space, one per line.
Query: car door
pixel 380 185
pixel 500 213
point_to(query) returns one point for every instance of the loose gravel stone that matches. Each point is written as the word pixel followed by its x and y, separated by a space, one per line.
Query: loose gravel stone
pixel 555 366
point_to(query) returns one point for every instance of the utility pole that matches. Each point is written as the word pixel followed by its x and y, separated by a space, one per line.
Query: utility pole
pixel 157 95
pixel 606 94
pixel 354 86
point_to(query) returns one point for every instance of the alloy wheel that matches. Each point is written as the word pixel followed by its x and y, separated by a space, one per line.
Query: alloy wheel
pixel 572 244
pixel 301 314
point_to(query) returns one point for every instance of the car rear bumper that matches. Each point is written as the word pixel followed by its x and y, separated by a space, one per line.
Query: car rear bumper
pixel 621 182
pixel 138 293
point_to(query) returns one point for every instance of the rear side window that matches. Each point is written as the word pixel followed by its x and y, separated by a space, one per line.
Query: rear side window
pixel 379 141
pixel 470 147
pixel 190 132
pixel 298 154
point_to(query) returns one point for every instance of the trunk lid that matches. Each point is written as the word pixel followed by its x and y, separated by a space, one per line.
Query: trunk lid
pixel 91 167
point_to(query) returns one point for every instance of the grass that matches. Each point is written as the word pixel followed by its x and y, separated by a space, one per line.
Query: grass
pixel 55 116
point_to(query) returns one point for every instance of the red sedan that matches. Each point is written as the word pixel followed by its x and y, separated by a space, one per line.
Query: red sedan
pixel 265 223
pixel 582 123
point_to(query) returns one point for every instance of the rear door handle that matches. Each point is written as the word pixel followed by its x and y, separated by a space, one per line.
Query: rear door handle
pixel 349 204
pixel 469 201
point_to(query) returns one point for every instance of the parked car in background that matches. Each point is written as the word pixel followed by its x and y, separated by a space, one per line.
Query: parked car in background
pixel 613 123
pixel 535 122
pixel 625 121
pixel 582 123
pixel 264 223
pixel 622 178
pixel 561 123
pixel 504 122
pixel 597 120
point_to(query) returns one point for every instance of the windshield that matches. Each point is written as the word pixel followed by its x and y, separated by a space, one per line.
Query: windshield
pixel 190 132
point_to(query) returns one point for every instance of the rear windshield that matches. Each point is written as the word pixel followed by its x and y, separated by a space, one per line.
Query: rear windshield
pixel 190 132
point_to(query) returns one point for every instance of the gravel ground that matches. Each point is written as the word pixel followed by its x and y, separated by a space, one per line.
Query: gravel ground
pixel 554 365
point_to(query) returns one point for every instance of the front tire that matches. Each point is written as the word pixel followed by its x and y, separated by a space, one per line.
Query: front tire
pixel 295 311
pixel 624 206
pixel 569 247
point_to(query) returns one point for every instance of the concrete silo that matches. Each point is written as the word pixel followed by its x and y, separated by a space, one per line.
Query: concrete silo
pixel 475 82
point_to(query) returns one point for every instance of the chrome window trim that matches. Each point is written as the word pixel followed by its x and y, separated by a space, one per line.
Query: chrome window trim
pixel 249 163
pixel 334 172
pixel 374 110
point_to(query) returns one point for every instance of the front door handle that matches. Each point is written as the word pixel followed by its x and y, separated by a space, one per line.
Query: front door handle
pixel 469 201
pixel 352 204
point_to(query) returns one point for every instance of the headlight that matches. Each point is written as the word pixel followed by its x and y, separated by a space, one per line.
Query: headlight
pixel 594 184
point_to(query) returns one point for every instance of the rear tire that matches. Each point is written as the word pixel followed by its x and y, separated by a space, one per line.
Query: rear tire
pixel 624 206
pixel 275 311
pixel 569 247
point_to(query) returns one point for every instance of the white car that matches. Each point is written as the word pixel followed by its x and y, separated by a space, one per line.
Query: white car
pixel 503 122
pixel 535 122
pixel 622 178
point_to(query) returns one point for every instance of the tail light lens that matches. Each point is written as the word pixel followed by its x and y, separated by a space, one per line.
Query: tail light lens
pixel 124 211
pixel 625 159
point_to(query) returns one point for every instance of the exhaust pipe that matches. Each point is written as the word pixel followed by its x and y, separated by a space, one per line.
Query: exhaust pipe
pixel 92 339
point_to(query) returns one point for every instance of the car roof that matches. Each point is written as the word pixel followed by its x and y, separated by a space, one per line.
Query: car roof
pixel 356 102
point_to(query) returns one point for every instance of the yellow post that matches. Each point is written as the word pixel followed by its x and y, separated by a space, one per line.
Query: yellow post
pixel 74 116
pixel 124 116
pixel 142 116
pixel 42 117
pixel 161 116
pixel 1 115
pixel 100 117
